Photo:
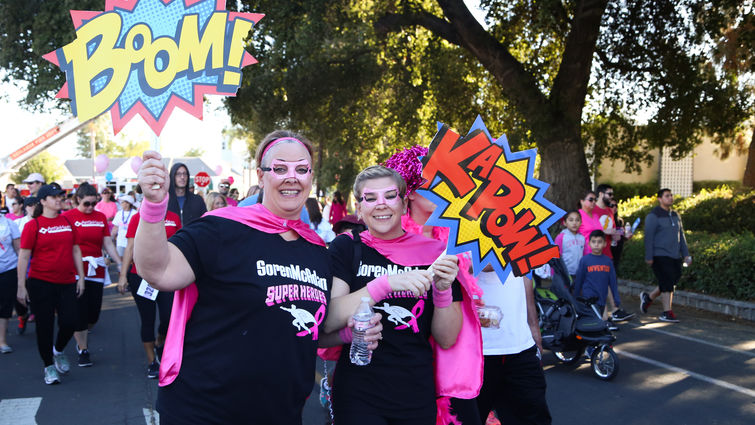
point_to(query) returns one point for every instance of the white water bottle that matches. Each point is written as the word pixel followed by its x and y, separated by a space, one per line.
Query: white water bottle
pixel 361 355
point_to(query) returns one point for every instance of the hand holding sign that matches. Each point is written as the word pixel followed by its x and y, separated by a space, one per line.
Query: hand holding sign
pixel 445 269
pixel 153 177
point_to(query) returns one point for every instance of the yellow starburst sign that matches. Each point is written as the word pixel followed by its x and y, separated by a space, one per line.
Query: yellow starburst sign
pixel 490 199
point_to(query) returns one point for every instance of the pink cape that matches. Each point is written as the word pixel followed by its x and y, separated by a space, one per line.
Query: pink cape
pixel 257 217
pixel 459 369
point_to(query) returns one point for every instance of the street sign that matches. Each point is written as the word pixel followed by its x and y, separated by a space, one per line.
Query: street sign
pixel 202 179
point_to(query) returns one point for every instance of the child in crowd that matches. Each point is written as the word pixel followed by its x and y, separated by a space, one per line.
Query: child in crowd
pixel 571 243
pixel 595 274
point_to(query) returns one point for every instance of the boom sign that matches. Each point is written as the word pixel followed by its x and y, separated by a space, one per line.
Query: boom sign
pixel 148 57
pixel 490 199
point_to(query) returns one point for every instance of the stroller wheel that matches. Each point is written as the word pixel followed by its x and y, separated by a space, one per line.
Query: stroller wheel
pixel 604 363
pixel 569 357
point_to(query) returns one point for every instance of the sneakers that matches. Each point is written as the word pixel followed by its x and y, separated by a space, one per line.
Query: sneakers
pixel 22 321
pixel 645 302
pixel 61 363
pixel 5 349
pixel 84 359
pixel 621 315
pixel 51 375
pixel 668 316
pixel 153 370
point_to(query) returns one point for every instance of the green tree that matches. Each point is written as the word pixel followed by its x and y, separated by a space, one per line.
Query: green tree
pixel 194 152
pixel 104 141
pixel 363 78
pixel 44 163
pixel 135 148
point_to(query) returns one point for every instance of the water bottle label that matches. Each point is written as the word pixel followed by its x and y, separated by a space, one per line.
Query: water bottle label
pixel 361 326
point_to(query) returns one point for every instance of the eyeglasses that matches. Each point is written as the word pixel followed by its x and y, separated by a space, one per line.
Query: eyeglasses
pixel 106 192
pixel 609 194
pixel 223 185
pixel 88 204
pixel 182 174
pixel 590 199
pixel 388 196
pixel 285 169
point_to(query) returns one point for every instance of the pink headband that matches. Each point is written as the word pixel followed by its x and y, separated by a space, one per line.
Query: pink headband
pixel 282 139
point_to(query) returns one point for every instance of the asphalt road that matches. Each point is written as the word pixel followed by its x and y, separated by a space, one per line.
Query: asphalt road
pixel 700 371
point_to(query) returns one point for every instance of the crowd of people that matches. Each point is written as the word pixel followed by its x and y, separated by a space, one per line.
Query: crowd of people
pixel 268 280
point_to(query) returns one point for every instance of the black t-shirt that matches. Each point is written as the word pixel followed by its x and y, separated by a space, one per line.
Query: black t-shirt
pixel 250 344
pixel 400 376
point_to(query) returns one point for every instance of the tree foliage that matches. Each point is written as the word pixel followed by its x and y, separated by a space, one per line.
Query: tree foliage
pixel 582 80
pixel 120 146
pixel 44 163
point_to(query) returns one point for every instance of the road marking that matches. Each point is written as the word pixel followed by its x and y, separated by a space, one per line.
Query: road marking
pixel 20 411
pixel 648 327
pixel 151 417
pixel 708 379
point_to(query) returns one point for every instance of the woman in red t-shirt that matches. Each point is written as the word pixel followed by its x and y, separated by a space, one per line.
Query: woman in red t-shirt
pixel 129 279
pixel 52 243
pixel 337 209
pixel 92 229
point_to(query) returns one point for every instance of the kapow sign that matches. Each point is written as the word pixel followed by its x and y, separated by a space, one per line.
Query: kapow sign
pixel 490 199
pixel 148 57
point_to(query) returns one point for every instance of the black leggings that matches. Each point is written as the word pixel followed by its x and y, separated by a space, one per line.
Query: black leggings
pixel 49 298
pixel 354 417
pixel 8 289
pixel 146 307
pixel 514 385
pixel 89 305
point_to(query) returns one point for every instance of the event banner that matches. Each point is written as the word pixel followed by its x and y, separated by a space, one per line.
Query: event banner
pixel 489 198
pixel 148 57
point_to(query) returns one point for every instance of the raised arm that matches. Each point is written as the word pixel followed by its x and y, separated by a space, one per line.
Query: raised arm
pixel 160 263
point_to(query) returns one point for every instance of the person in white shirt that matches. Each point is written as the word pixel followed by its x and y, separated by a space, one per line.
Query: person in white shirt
pixel 121 220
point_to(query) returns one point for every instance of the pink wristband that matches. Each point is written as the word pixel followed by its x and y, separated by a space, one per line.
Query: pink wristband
pixel 153 212
pixel 442 299
pixel 379 288
pixel 346 335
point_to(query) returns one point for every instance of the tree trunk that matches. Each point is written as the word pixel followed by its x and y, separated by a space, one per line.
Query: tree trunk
pixel 564 167
pixel 749 177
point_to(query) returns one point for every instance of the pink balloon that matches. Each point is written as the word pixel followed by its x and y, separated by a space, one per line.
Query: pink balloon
pixel 136 163
pixel 218 170
pixel 101 162
pixel 230 179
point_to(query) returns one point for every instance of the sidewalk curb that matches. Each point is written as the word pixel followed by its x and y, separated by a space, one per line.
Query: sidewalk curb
pixel 738 309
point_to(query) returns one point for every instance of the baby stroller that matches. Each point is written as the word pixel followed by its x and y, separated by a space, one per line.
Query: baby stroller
pixel 570 327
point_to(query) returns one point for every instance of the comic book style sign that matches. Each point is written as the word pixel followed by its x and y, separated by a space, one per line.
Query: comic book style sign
pixel 148 57
pixel 489 198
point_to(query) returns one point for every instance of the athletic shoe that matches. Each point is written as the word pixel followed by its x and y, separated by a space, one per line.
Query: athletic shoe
pixel 31 318
pixel 668 316
pixel 612 327
pixel 84 360
pixel 61 363
pixel 645 302
pixel 492 420
pixel 51 375
pixel 621 315
pixel 5 349
pixel 153 370
pixel 22 320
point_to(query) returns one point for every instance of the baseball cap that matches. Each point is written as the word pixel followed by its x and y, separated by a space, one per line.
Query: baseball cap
pixel 30 200
pixel 34 177
pixel 49 190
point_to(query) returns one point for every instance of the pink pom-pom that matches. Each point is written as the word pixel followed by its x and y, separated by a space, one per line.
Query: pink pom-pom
pixel 406 162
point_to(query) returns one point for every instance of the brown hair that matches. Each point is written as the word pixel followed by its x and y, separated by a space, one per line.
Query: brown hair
pixel 280 134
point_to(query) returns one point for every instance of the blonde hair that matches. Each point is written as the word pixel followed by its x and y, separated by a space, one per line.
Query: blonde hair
pixel 376 172
pixel 209 200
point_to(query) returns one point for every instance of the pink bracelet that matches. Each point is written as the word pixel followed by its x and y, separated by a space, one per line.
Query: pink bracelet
pixel 379 288
pixel 345 335
pixel 442 299
pixel 153 212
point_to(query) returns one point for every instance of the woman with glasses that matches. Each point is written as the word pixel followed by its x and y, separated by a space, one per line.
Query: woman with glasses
pixel 92 229
pixel 391 267
pixel 106 206
pixel 242 340
pixel 16 208
pixel 590 220
pixel 52 244
pixel 189 206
